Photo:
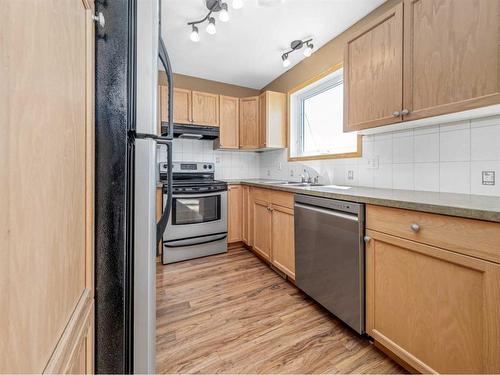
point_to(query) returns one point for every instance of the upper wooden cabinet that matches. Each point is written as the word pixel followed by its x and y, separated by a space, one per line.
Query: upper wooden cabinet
pixel 205 109
pixel 182 106
pixel 249 122
pixel 452 56
pixel 229 121
pixel 441 57
pixel 373 73
pixel 272 120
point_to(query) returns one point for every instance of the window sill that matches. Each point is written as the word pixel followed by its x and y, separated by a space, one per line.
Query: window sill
pixel 355 154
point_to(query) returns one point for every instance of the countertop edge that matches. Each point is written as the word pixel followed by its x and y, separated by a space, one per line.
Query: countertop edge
pixel 442 209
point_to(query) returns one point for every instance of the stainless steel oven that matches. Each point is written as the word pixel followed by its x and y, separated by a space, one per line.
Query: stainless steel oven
pixel 198 219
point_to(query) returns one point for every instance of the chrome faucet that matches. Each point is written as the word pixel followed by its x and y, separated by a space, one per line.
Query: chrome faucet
pixel 305 177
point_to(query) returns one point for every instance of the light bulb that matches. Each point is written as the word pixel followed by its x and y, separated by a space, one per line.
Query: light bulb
pixel 286 62
pixel 223 15
pixel 195 37
pixel 308 51
pixel 237 4
pixel 211 26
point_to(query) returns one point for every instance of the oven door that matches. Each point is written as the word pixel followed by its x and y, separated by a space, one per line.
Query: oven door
pixel 195 215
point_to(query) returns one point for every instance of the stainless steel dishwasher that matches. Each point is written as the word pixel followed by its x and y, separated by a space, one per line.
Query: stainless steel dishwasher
pixel 329 256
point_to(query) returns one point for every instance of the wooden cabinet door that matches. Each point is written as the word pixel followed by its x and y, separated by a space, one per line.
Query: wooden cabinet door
pixel 452 56
pixel 435 309
pixel 205 109
pixel 245 215
pixel 46 232
pixel 235 209
pixel 373 73
pixel 249 122
pixel 262 120
pixel 262 228
pixel 283 249
pixel 229 122
pixel 182 106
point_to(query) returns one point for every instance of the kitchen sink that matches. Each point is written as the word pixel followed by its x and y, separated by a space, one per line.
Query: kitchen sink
pixel 301 184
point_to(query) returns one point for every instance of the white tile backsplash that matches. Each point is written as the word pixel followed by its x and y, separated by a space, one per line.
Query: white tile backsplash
pixel 440 158
pixel 446 158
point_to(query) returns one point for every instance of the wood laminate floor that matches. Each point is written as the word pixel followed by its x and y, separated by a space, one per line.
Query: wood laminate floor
pixel 230 313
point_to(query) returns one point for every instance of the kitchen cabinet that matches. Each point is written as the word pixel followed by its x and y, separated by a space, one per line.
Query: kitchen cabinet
pixel 235 209
pixel 373 73
pixel 452 59
pixel 435 57
pixel 282 237
pixel 272 228
pixel 229 123
pixel 427 300
pixel 262 228
pixel 182 106
pixel 249 123
pixel 245 215
pixel 47 233
pixel 205 109
pixel 272 120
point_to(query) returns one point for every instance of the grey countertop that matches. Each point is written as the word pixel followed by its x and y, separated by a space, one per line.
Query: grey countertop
pixel 463 205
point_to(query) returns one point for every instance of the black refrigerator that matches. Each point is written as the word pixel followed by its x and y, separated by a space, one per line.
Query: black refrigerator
pixel 129 53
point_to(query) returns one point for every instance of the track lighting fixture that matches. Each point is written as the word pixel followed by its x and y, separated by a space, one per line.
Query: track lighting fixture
pixel 295 46
pixel 213 6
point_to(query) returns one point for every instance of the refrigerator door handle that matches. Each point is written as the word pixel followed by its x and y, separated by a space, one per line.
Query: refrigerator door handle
pixel 162 223
pixel 165 60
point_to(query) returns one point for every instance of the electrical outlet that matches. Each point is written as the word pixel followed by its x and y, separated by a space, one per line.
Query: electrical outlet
pixel 373 163
pixel 489 178
pixel 217 160
pixel 280 166
pixel 268 172
pixel 291 172
pixel 350 175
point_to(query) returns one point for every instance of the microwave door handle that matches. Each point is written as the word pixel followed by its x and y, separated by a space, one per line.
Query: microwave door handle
pixel 162 223
pixel 165 60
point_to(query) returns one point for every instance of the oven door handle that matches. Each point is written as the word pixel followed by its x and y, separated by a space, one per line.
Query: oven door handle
pixel 184 244
pixel 197 194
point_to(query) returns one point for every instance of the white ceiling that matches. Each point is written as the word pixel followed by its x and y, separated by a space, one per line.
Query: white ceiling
pixel 247 50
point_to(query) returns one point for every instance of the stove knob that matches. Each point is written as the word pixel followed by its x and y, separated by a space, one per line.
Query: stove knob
pixel 209 167
pixel 204 166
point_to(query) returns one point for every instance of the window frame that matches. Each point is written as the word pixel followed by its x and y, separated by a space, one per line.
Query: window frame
pixel 298 115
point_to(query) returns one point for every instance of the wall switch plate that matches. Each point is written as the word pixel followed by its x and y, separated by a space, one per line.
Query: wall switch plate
pixel 488 177
pixel 280 166
pixel 350 175
pixel 373 163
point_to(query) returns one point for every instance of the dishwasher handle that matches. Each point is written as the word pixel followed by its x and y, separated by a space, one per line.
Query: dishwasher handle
pixel 327 211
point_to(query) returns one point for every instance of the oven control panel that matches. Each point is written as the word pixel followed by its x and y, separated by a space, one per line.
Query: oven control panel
pixel 189 167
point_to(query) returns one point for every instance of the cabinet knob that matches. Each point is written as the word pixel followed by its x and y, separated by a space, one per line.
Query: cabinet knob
pixel 405 112
pixel 367 239
pixel 396 114
pixel 415 227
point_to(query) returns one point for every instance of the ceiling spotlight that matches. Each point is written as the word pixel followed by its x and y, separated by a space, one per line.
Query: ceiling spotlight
pixel 295 46
pixel 211 26
pixel 224 15
pixel 309 49
pixel 286 62
pixel 195 37
pixel 237 4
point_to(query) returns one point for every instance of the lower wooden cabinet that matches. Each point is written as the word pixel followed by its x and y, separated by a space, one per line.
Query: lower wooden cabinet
pixel 262 228
pixel 282 246
pixel 435 308
pixel 235 210
pixel 271 228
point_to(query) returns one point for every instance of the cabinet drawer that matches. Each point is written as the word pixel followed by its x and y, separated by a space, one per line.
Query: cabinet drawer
pixel 476 238
pixel 261 194
pixel 282 198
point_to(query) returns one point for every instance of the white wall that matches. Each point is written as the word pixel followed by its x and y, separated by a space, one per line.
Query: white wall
pixel 444 158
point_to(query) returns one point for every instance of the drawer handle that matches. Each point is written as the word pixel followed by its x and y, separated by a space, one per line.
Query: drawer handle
pixel 415 227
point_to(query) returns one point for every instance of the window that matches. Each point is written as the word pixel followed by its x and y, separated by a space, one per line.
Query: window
pixel 316 126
